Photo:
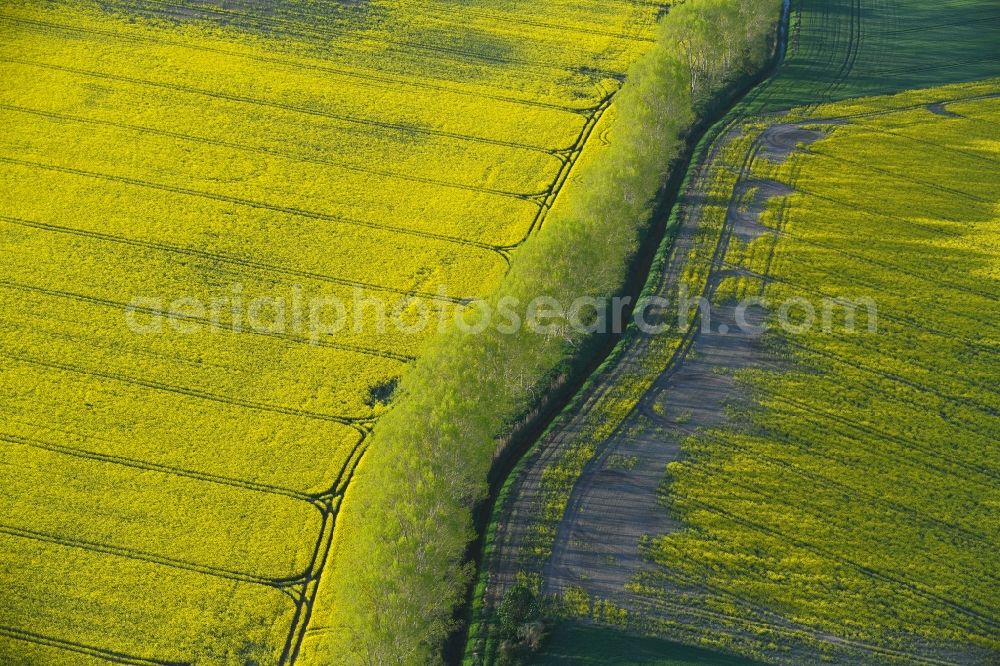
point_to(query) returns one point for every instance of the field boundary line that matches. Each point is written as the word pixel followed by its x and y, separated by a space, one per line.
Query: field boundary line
pixel 188 391
pixel 573 155
pixel 80 648
pixel 157 467
pixel 295 108
pixel 220 326
pixel 151 558
pixel 214 256
pixel 250 203
pixel 300 623
pixel 262 150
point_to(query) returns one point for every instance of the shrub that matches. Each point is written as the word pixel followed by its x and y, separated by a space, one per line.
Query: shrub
pixel 519 607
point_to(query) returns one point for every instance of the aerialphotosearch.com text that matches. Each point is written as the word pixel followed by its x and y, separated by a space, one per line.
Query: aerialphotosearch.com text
pixel 317 317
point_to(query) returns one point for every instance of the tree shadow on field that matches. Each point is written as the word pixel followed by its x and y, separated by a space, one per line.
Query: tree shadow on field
pixel 586 645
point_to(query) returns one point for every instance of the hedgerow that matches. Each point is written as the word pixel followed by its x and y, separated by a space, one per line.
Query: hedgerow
pixel 397 569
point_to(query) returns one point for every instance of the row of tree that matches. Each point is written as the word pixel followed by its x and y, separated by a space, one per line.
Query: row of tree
pixel 397 568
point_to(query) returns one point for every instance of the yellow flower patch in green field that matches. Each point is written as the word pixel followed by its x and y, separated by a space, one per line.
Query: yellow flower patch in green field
pixel 860 491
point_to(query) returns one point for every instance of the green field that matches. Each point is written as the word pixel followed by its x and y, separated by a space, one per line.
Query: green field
pixel 829 496
pixel 855 48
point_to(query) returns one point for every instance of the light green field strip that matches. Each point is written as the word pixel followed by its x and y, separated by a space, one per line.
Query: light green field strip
pixel 922 229
pixel 144 609
pixel 892 458
pixel 938 223
pixel 926 134
pixel 169 63
pixel 107 416
pixel 863 270
pixel 568 21
pixel 250 235
pixel 569 29
pixel 327 141
pixel 936 212
pixel 959 176
pixel 145 514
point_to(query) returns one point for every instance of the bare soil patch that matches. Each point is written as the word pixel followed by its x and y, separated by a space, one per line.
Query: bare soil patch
pixel 780 140
pixel 940 109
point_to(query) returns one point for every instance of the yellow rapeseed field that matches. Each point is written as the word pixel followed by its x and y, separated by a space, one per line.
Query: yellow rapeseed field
pixel 858 490
pixel 169 485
